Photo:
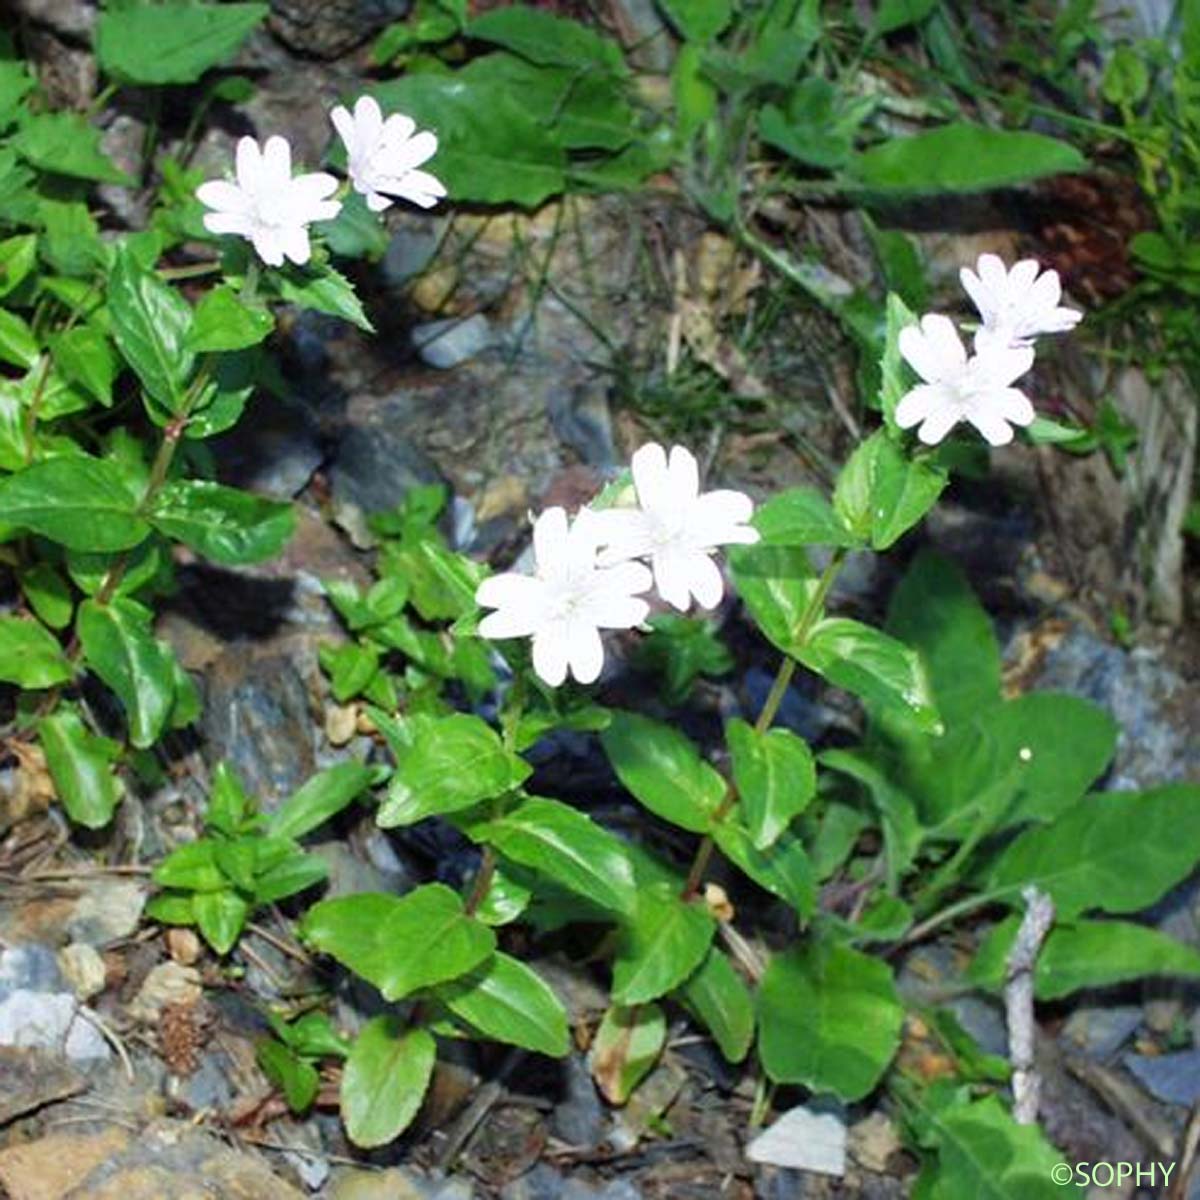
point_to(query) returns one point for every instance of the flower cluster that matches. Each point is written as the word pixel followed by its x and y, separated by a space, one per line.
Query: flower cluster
pixel 591 573
pixel 272 209
pixel 1014 308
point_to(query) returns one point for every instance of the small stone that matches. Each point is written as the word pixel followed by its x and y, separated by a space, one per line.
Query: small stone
pixel 54 1020
pixel 873 1141
pixel 108 910
pixel 447 343
pixel 167 983
pixel 806 1138
pixel 579 1119
pixel 1172 1078
pixel 409 252
pixel 341 723
pixel 30 966
pixel 1101 1032
pixel 53 1167
pixel 183 945
pixel 83 969
pixel 1162 1014
pixel 31 1077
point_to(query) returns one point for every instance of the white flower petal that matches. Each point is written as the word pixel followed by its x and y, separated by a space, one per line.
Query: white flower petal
pixel 706 583
pixel 551 652
pixel 276 163
pixel 1044 293
pixel 228 222
pixel 994 428
pixel 343 122
pixel 1020 279
pixel 223 196
pixel 398 128
pixel 919 403
pixel 550 541
pixel 938 423
pixel 684 473
pixel 651 477
pixel 981 295
pixel 721 518
pixel 933 348
pixel 1013 405
pixel 993 274
pixel 375 201
pixel 1000 365
pixel 585 651
pixel 419 188
pixel 673 577
pixel 268 244
pixel 368 121
pixel 406 156
pixel 248 164
pixel 509 623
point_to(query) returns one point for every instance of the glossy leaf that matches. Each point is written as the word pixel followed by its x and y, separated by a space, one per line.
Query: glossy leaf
pixel 542 37
pixel 48 593
pixel 664 943
pixel 299 1081
pixel 30 655
pixel 384 1081
pixel 722 1002
pixel 783 868
pixel 801 517
pixel 777 584
pixel 775 777
pixel 18 345
pixel 81 765
pixel 84 356
pixel 220 916
pixel 830 1019
pixel 698 20
pixel 626 1047
pixel 223 322
pixel 664 770
pixel 324 290
pixel 321 797
pixel 221 523
pixel 191 867
pixel 64 143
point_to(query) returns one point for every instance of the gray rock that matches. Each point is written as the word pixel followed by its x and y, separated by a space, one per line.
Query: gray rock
pixel 447 343
pixel 409 252
pixel 397 1183
pixel 107 910
pixel 210 1086
pixel 54 1020
pixel 30 966
pixel 329 28
pixel 579 1119
pixel 580 416
pixel 545 1183
pixel 275 452
pixel 63 16
pixel 1172 1078
pixel 1101 1031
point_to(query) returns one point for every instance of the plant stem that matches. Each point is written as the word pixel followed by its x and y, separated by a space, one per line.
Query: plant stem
pixel 483 881
pixel 960 908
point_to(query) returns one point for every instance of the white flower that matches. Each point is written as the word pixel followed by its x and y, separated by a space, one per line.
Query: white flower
pixel 676 527
pixel 1016 305
pixel 266 205
pixel 383 156
pixel 567 601
pixel 958 388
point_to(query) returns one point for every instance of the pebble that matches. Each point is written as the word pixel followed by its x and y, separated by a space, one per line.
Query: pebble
pixel 1101 1032
pixel 54 1020
pixel 447 343
pixel 83 969
pixel 806 1138
pixel 1172 1078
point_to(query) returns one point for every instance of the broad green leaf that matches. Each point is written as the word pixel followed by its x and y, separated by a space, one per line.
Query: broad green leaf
pixel 777 584
pixel 934 610
pixel 801 517
pixel 150 324
pixel 84 356
pixel 698 20
pixel 566 846
pixel 783 868
pixel 506 899
pixel 80 502
pixel 221 917
pixel 18 345
pixel 543 37
pixel 228 803
pixel 30 655
pixel 1117 852
pixel 147 564
pixel 191 867
pixel 64 143
pixel 1086 954
pixel 314 1034
pixel 961 157
pixel 819 124
pixel 299 1081
pixel 721 1001
pixel 881 494
pixel 350 667
pixel 400 943
pixel 223 322
pixel 71 241
pixel 296 873
pixel 452 763
pixel 678 651
pixel 891 15
pixel 81 765
pixel 321 797
pixel 881 671
pixel 510 1002
pixel 119 645
pixel 323 290
pixel 171 908
pixel 829 1019
pixel 221 523
pixel 663 770
pixel 983 1153
pixel 664 943
pixel 441 584
pixel 174 42
pixel 775 778
pixel 18 255
pixel 385 1078
pixel 894 372
pixel 48 593
pixel 490 149
pixel 626 1046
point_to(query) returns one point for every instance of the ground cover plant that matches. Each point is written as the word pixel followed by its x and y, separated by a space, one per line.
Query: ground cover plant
pixel 772 884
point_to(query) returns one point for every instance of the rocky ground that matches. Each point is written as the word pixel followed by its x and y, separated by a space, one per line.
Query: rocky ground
pixel 519 359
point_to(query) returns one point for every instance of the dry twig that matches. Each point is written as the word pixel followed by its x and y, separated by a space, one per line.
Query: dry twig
pixel 1018 1003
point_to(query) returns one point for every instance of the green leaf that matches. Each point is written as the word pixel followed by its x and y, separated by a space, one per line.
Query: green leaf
pixel 775 777
pixel 400 943
pixel 891 15
pixel 221 917
pixel 351 668
pixel 222 523
pixel 566 846
pixel 30 655
pixel 150 325
pixel 1117 852
pixel 818 126
pixel 191 867
pixel 171 908
pixel 80 502
pixel 490 149
pixel 452 763
pixel 894 372
pixel 296 873
pixel 716 994
pixel 321 797
pixel 877 668
pixel 829 1019
pixel 228 803
pixel 48 594
pixel 698 20
pixel 934 610
pixel 881 494
pixel 81 765
pixel 64 143
pixel 299 1081
pixel 545 38
pixel 223 322
pixel 509 1002
pixel 314 1034
pixel 663 770
pixel 783 868
pixel 663 944
pixel 173 42
pixel 120 647
pixel 1085 954
pixel 18 256
pixel 324 290
pixel 801 517
pixel 17 343
pixel 84 356
pixel 961 157
pixel 626 1047
pixel 386 1075
pixel 777 584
